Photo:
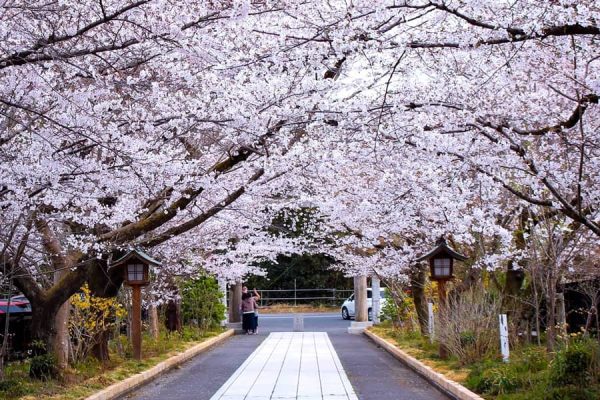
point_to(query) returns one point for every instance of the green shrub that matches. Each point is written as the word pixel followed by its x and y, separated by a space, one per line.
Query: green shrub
pixel 493 379
pixel 12 388
pixel 43 367
pixel 475 380
pixel 571 392
pixel 575 363
pixel 543 392
pixel 531 359
pixel 389 311
pixel 467 338
pixel 201 303
pixel 43 364
pixel 526 370
pixel 400 309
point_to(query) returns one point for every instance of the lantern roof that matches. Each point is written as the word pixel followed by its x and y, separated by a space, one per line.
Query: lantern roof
pixel 442 248
pixel 135 254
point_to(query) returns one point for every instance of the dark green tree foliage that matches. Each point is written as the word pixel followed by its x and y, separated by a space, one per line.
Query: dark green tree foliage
pixel 309 271
pixel 201 303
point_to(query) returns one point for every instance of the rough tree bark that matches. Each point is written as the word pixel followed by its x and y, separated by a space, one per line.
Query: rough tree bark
pixel 418 280
pixel 100 348
pixel 61 338
pixel 173 319
pixel 153 316
pixel 551 282
pixel 235 302
pixel 360 299
pixel 45 305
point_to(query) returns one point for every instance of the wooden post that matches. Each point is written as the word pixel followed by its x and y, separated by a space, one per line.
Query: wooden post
pixel 136 321
pixel 360 296
pixel 442 309
pixel 235 303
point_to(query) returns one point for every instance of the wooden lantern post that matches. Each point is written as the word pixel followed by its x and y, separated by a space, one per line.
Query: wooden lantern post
pixel 136 321
pixel 441 266
pixel 136 272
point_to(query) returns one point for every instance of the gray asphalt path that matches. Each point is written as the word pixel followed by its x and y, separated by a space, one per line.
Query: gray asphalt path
pixel 374 374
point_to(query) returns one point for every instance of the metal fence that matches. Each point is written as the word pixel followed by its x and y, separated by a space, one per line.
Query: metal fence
pixel 303 296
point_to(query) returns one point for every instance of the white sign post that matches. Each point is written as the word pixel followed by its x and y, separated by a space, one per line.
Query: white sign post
pixel 504 337
pixel 223 289
pixel 431 324
pixel 375 290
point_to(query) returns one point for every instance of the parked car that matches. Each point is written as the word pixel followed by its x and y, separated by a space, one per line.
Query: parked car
pixel 19 329
pixel 348 305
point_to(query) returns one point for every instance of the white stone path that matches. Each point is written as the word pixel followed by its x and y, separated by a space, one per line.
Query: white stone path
pixel 290 365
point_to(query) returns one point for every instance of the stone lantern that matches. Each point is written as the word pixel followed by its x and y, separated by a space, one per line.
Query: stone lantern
pixel 441 267
pixel 136 273
pixel 441 261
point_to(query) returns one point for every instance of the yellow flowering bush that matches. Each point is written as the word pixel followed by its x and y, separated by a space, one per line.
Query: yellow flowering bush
pixel 91 318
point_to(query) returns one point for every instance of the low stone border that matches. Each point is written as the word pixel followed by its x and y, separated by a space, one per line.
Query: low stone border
pixel 450 387
pixel 129 384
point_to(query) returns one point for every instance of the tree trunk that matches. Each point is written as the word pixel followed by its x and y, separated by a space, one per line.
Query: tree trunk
pixel 100 348
pixel 46 304
pixel 597 326
pixel 511 291
pixel 551 318
pixel 588 322
pixel 235 302
pixel 61 338
pixel 173 320
pixel 61 328
pixel 43 328
pixel 360 296
pixel 418 280
pixel 4 349
pixel 561 315
pixel 43 335
pixel 153 316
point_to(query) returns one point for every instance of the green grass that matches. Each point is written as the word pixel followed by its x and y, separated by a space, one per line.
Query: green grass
pixel 422 349
pixel 86 378
pixel 528 375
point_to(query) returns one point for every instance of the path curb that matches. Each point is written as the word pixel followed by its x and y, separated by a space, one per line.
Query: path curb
pixel 448 386
pixel 133 382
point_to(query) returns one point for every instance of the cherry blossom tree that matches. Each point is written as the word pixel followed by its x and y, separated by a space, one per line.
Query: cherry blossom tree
pixel 129 124
pixel 507 90
pixel 182 127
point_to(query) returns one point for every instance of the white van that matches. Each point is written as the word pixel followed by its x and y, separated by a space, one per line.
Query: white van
pixel 348 305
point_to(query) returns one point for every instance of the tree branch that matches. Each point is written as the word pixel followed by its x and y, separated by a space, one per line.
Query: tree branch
pixel 194 222
pixel 575 118
pixel 553 31
pixel 23 57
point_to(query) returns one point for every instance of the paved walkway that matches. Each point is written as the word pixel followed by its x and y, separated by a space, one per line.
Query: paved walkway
pixel 372 372
pixel 288 365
